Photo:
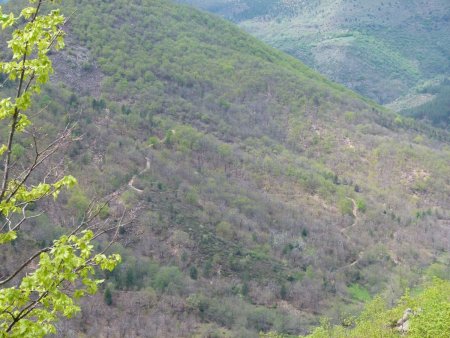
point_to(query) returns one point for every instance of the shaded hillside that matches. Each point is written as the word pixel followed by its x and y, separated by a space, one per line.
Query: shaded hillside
pixel 267 194
pixel 381 49
pixel 436 108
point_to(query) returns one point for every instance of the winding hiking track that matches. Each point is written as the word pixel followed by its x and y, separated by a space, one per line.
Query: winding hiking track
pixel 131 183
pixel 355 215
pixel 391 254
pixel 344 233
pixel 147 165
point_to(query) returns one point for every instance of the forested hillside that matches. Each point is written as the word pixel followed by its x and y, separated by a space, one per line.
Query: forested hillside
pixel 266 195
pixel 381 49
pixel 433 104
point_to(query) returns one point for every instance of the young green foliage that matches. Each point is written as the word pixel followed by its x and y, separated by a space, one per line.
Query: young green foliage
pixel 430 316
pixel 29 305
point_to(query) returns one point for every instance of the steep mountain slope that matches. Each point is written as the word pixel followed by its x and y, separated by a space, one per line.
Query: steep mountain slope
pixel 267 194
pixel 382 49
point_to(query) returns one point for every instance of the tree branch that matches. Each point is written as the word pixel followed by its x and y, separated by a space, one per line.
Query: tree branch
pixel 24 265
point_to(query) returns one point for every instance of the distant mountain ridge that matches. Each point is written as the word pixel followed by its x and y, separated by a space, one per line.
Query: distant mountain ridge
pixel 381 49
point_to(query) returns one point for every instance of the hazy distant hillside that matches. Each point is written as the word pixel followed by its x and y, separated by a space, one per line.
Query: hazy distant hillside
pixel 381 49
pixel 268 195
pixel 429 102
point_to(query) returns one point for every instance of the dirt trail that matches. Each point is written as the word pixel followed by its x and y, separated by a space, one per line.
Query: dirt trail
pixel 356 260
pixel 147 165
pixel 356 219
pixel 344 233
pixel 390 252
pixel 131 183
pixel 360 256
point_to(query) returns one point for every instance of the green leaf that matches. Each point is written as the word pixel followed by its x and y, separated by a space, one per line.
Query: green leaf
pixel 8 237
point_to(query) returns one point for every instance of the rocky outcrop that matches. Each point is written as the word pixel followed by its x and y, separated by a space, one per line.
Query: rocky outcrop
pixel 404 322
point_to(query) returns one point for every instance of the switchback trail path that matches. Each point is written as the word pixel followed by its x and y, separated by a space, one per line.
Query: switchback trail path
pixel 143 171
pixel 344 233
pixel 356 219
pixel 147 165
pixel 390 252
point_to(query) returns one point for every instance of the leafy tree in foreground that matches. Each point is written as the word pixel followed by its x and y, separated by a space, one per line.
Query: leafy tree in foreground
pixel 35 295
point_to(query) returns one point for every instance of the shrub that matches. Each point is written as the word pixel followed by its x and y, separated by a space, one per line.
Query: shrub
pixel 168 279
